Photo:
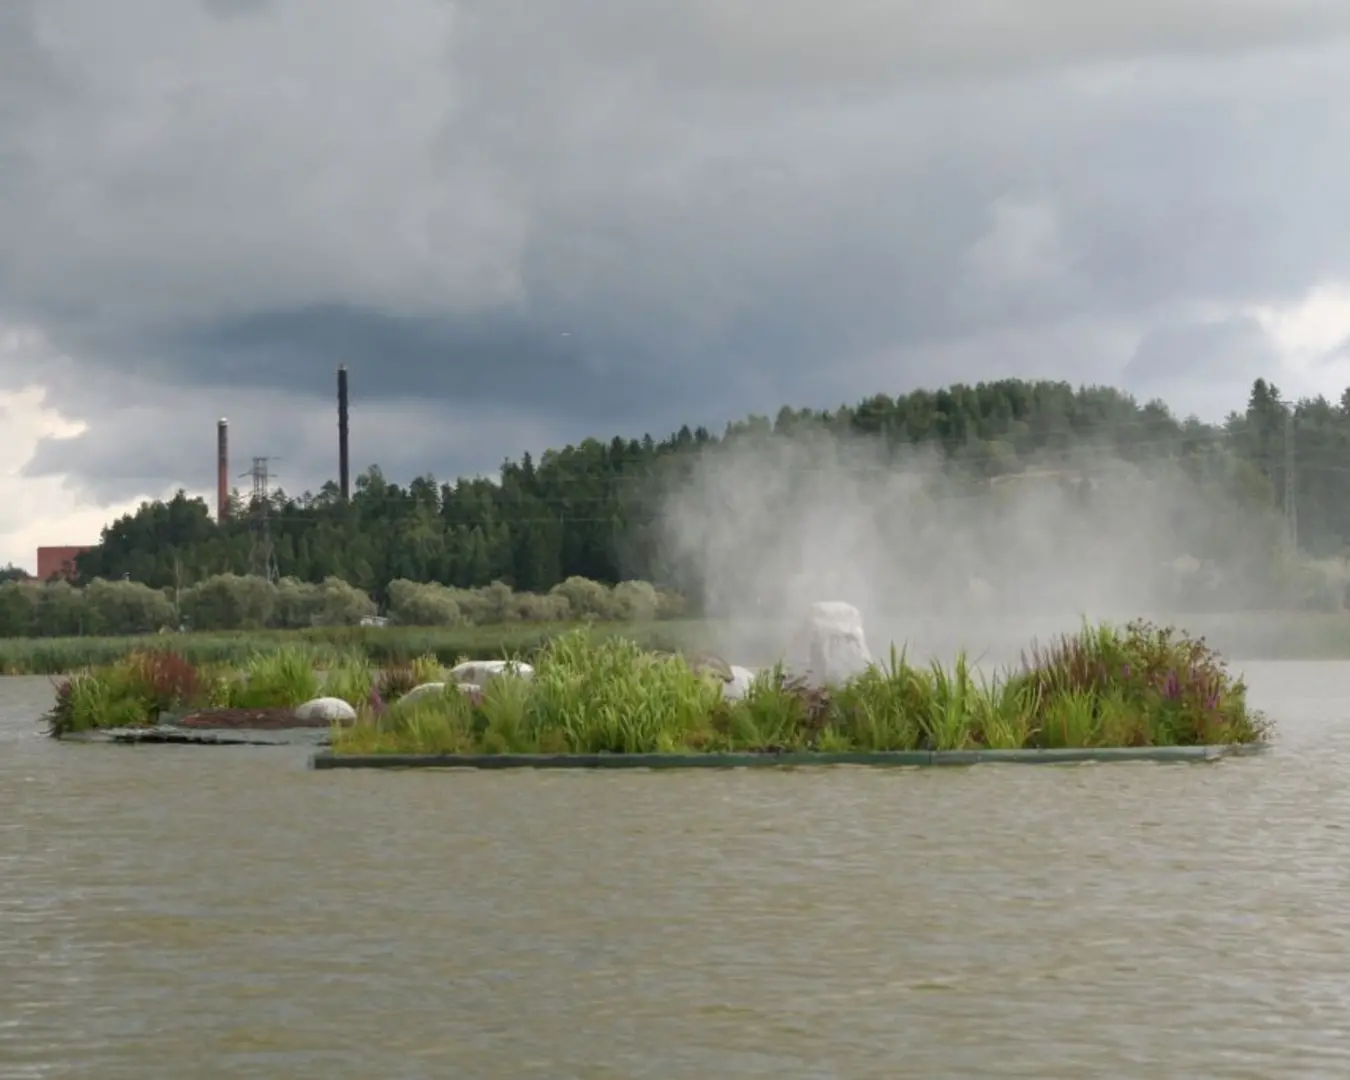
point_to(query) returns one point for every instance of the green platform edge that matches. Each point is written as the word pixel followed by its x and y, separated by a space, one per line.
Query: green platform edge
pixel 327 759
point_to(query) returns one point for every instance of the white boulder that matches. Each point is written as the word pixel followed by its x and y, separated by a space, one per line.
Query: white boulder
pixel 479 672
pixel 738 686
pixel 830 645
pixel 426 689
pixel 431 689
pixel 325 708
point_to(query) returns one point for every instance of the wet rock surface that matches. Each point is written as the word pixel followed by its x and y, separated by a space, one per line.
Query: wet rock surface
pixel 253 719
pixel 239 736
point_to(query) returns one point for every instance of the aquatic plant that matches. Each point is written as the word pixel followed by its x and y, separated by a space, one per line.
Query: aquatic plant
pixel 1137 686
pixel 137 691
pixel 1140 685
pixel 164 678
pixel 276 679
pixel 1152 685
pixel 144 687
pixel 352 680
pixel 384 647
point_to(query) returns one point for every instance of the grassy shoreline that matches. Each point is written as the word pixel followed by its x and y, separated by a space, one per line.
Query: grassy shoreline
pixel 593 693
pixel 328 646
pixel 1281 636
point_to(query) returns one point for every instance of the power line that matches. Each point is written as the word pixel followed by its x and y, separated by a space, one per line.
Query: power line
pixel 262 555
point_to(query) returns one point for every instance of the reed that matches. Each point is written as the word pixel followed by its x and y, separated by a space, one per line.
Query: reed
pixel 592 692
pixel 1140 685
pixel 1270 636
pixel 136 691
pixel 149 684
pixel 383 647
pixel 276 679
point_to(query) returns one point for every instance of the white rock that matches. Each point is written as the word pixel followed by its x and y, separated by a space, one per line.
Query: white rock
pixel 325 708
pixel 830 646
pixel 479 672
pixel 742 679
pixel 427 689
pixel 431 689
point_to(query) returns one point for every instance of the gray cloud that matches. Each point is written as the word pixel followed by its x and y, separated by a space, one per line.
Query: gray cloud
pixel 1197 365
pixel 1230 348
pixel 546 219
pixel 160 438
pixel 231 9
pixel 860 42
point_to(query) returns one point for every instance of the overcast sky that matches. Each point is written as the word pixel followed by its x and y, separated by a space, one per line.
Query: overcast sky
pixel 521 222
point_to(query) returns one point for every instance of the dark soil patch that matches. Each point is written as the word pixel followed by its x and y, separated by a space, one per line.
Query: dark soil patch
pixel 255 719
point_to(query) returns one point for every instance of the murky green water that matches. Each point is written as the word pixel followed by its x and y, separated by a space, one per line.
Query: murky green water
pixel 174 912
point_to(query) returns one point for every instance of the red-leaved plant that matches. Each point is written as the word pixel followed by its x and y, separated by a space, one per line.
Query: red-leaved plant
pixel 1177 681
pixel 165 680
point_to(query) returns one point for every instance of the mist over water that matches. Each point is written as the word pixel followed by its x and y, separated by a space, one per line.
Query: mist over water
pixel 761 527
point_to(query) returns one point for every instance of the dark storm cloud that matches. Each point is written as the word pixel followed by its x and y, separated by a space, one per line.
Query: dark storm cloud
pixel 29 80
pixel 473 360
pixel 602 217
pixel 159 442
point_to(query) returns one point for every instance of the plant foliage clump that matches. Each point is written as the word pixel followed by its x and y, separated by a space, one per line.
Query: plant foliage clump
pixel 1140 686
pixel 152 685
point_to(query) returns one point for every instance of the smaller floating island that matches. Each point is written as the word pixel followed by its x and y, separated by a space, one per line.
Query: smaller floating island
pixel 1137 687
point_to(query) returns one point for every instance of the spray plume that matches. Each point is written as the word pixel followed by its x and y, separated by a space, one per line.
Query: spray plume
pixel 762 526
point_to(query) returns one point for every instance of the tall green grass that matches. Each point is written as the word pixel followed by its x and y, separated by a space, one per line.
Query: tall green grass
pixel 144 687
pixel 1137 686
pixel 273 680
pixel 592 692
pixel 1250 636
pixel 330 646
pixel 135 692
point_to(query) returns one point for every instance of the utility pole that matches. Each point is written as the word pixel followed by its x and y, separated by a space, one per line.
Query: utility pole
pixel 262 557
pixel 1290 485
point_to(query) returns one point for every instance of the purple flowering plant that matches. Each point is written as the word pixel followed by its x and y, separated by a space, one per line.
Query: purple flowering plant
pixel 1172 687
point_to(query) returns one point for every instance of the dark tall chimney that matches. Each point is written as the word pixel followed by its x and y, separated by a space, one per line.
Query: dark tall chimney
pixel 344 462
pixel 222 470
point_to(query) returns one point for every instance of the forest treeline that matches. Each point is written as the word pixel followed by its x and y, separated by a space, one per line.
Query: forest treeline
pixel 591 510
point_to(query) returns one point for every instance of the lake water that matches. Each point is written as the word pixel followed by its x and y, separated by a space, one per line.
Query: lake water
pixel 173 912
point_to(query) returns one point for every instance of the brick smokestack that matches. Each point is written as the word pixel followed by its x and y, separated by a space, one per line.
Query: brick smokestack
pixel 222 470
pixel 344 460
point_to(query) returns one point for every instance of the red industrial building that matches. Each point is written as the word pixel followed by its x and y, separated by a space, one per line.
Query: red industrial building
pixel 58 561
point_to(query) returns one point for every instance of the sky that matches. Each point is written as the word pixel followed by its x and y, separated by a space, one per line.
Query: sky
pixel 523 222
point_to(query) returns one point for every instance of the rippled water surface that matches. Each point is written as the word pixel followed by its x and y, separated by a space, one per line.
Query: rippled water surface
pixel 175 912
